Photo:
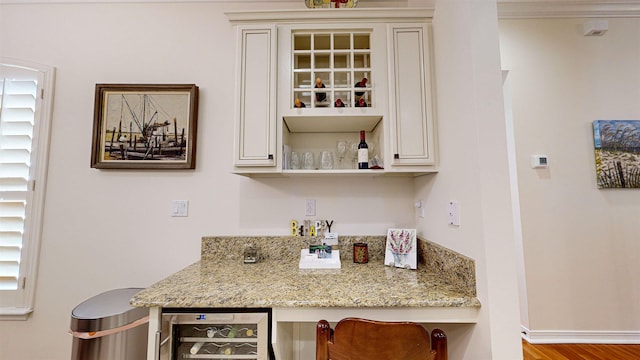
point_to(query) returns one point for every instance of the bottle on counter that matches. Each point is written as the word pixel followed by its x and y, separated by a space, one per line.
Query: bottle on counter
pixel 363 152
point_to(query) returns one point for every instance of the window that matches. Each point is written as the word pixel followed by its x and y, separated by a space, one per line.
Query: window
pixel 25 112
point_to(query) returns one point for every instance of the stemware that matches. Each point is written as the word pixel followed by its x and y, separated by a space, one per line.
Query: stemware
pixel 353 153
pixel 372 149
pixel 326 160
pixel 308 162
pixel 341 146
pixel 295 160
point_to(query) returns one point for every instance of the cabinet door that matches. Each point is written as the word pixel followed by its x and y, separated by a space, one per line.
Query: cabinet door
pixel 256 79
pixel 411 107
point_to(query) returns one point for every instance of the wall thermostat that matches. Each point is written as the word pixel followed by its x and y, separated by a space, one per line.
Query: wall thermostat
pixel 539 161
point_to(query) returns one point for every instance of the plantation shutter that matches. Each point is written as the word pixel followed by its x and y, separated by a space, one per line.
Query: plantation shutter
pixel 18 95
pixel 25 120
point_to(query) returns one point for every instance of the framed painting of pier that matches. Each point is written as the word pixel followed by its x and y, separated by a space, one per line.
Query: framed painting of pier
pixel 145 126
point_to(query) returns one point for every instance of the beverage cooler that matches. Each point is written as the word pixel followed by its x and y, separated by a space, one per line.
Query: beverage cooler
pixel 216 334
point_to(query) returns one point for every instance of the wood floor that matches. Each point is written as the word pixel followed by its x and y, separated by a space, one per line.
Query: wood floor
pixel 580 352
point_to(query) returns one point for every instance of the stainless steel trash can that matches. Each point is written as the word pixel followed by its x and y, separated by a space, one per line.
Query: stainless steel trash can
pixel 106 327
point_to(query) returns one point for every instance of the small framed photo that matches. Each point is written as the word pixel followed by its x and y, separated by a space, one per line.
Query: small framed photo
pixel 145 126
pixel 401 249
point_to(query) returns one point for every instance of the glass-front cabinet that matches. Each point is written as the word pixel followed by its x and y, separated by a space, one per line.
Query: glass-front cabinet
pixel 338 73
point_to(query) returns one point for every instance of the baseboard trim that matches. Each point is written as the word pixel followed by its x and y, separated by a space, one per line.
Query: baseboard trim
pixel 580 337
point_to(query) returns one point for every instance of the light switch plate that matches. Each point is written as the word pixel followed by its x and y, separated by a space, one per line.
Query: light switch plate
pixel 310 208
pixel 180 208
pixel 420 207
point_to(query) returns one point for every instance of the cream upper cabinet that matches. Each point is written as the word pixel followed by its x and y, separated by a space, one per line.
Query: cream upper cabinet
pixel 256 139
pixel 411 115
pixel 310 80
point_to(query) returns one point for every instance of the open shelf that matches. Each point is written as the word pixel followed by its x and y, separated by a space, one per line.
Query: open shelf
pixel 332 124
pixel 334 173
pixel 350 172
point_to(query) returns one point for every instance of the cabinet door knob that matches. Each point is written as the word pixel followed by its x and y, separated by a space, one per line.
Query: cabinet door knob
pixel 396 156
pixel 270 156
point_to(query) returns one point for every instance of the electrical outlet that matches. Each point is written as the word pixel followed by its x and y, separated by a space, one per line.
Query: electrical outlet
pixel 453 213
pixel 310 208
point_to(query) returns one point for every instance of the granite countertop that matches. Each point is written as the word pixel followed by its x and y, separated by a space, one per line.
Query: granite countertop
pixel 276 281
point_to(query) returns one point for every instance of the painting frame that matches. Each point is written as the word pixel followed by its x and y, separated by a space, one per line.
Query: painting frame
pixel 617 153
pixel 401 249
pixel 133 124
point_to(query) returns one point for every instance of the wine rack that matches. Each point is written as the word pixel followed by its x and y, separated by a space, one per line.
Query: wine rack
pixel 332 69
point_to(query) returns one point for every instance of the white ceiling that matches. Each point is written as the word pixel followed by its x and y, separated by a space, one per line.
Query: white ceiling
pixel 506 8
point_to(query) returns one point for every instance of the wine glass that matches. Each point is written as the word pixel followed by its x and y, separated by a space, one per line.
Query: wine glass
pixel 353 153
pixel 341 146
pixel 308 162
pixel 372 148
pixel 326 160
pixel 295 160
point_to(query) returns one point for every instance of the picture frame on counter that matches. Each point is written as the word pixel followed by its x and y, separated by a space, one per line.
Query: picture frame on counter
pixel 145 126
pixel 401 250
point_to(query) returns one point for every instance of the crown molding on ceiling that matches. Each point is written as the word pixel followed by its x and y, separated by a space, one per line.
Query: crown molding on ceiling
pixel 568 9
pixel 507 9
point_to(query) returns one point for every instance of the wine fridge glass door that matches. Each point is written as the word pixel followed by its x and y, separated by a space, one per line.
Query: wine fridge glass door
pixel 215 335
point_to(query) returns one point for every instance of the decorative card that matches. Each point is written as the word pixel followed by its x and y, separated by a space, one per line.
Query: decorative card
pixel 402 248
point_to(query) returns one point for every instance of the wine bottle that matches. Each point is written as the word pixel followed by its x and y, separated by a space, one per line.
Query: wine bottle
pixel 363 153
pixel 195 348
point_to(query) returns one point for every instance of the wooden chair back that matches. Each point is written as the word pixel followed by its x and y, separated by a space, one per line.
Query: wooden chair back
pixel 362 339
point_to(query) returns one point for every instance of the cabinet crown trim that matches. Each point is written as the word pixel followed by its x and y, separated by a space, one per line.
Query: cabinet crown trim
pixel 328 15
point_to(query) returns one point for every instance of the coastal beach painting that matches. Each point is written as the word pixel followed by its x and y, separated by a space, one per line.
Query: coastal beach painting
pixel 617 150
pixel 150 126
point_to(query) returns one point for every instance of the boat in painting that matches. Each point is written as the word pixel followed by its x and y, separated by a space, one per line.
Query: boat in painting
pixel 144 131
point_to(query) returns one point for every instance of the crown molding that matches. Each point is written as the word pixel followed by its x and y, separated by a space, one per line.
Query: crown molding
pixel 507 9
pixel 568 9
pixel 329 15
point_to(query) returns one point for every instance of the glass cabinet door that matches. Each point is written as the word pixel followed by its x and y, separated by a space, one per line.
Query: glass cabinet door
pixel 216 335
pixel 217 341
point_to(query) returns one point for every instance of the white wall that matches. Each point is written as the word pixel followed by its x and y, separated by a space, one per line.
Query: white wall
pixel 110 229
pixel 582 253
pixel 474 171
